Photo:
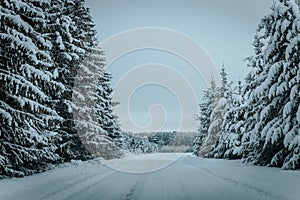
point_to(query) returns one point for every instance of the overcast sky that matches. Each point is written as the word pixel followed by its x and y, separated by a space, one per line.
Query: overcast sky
pixel 223 28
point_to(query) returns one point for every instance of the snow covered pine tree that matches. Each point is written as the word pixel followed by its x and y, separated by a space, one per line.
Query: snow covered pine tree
pixel 203 122
pixel 273 136
pixel 215 109
pixel 43 44
pixel 229 144
pixel 93 114
pixel 28 121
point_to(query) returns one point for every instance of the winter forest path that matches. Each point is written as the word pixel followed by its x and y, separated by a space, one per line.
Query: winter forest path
pixel 187 178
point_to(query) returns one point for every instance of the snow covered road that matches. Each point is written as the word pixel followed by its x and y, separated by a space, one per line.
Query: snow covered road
pixel 187 178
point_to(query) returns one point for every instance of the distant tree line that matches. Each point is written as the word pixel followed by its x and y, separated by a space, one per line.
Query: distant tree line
pixel 163 141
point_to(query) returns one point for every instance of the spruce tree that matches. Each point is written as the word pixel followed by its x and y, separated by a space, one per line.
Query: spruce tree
pixel 271 136
pixel 94 121
pixel 217 106
pixel 203 122
pixel 107 118
pixel 28 122
pixel 43 46
pixel 229 143
pixel 67 55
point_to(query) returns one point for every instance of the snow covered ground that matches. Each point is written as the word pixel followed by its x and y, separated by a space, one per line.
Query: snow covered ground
pixel 133 163
pixel 186 178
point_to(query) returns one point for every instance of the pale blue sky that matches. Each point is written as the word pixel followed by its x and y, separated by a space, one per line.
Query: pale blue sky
pixel 224 28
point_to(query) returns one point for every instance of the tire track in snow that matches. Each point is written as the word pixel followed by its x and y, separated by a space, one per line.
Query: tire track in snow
pixel 267 195
pixel 130 194
pixel 78 186
pixel 117 185
pixel 66 186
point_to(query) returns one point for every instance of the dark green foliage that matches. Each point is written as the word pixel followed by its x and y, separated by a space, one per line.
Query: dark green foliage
pixel 263 127
pixel 43 44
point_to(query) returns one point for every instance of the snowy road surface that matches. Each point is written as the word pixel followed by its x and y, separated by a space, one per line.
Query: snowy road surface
pixel 187 178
